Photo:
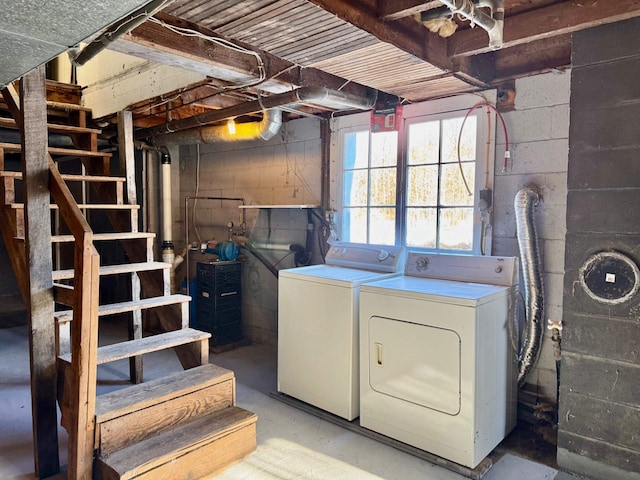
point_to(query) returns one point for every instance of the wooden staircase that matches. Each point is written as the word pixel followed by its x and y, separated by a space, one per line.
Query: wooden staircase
pixel 185 425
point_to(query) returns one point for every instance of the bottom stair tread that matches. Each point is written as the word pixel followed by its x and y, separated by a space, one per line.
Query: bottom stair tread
pixel 193 450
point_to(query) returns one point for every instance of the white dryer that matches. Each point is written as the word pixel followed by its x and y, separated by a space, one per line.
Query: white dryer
pixel 437 368
pixel 318 308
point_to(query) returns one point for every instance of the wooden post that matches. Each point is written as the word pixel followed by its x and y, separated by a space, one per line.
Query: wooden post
pixel 35 167
pixel 127 168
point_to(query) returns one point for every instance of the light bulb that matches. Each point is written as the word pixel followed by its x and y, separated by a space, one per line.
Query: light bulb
pixel 231 126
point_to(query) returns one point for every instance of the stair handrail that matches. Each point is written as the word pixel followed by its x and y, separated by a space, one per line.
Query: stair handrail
pixel 81 383
pixel 84 327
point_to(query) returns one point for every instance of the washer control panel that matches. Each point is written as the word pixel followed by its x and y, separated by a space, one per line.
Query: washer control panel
pixel 381 258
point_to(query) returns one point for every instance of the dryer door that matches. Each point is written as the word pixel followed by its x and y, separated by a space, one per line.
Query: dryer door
pixel 415 363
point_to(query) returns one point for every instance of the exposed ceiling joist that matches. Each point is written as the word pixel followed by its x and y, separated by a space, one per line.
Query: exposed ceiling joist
pixel 405 33
pixel 156 43
pixel 554 20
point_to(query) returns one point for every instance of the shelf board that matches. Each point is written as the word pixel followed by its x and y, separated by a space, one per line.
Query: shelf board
pixel 295 207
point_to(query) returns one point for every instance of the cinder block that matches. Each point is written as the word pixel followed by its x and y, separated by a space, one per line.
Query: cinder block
pixel 604 128
pixel 614 211
pixel 303 129
pixel 607 84
pixel 560 121
pixel 527 125
pixel 553 255
pixel 545 156
pixel 592 169
pixel 600 378
pixel 605 43
pixel 596 459
pixel 613 338
pixel 543 90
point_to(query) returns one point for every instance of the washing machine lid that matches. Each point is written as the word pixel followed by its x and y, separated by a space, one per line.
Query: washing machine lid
pixel 436 290
pixel 333 275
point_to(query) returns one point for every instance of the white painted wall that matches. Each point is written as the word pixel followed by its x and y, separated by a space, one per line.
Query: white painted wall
pixel 113 81
pixel 539 142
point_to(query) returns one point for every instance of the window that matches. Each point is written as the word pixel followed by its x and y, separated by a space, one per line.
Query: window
pixel 415 187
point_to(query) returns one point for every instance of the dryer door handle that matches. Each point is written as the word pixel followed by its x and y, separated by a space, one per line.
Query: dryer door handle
pixel 379 354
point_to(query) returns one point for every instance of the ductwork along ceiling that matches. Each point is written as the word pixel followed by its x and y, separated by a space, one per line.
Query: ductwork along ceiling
pixel 408 50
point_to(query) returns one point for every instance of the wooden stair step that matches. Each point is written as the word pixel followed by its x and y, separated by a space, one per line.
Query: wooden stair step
pixel 123 307
pixel 135 413
pixel 67 107
pixel 67 152
pixel 194 450
pixel 87 206
pixel 116 269
pixel 72 178
pixel 52 127
pixel 141 346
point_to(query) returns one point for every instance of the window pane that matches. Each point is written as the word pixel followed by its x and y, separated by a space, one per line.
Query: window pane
pixel 384 149
pixel 355 188
pixel 383 226
pixel 421 227
pixel 356 150
pixel 422 186
pixel 456 228
pixel 354 225
pixel 423 143
pixel 452 189
pixel 450 132
pixel 383 187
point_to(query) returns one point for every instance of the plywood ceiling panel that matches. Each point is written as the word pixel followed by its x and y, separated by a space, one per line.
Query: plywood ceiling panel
pixel 34 32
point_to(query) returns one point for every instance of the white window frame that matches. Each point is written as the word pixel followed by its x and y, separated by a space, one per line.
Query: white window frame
pixel 416 113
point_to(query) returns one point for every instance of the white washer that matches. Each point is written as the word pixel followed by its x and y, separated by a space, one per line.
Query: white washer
pixel 437 368
pixel 318 359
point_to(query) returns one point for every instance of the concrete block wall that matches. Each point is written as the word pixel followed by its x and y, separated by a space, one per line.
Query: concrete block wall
pixel 599 416
pixel 285 170
pixel 538 131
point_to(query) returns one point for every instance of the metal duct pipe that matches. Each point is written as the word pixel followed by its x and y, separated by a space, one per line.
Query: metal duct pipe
pixel 318 96
pixel 493 24
pixel 262 130
pixel 525 201
pixel 115 31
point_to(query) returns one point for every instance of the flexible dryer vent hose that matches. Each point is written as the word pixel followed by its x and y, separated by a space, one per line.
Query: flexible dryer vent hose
pixel 524 205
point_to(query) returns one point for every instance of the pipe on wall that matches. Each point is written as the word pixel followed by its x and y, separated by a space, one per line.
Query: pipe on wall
pixel 118 29
pixel 524 205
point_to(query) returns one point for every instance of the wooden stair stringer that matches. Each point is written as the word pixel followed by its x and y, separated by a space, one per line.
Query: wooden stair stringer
pixel 152 286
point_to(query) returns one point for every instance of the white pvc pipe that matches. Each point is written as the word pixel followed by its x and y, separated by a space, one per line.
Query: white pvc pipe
pixel 166 200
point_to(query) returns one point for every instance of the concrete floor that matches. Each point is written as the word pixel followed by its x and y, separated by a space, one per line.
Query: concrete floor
pixel 292 444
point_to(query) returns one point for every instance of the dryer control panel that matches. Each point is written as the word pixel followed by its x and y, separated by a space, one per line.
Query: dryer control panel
pixel 463 268
pixel 379 258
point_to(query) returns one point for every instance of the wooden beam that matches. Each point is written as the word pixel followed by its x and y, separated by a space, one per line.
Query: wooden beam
pixel 128 170
pixel 154 42
pixel 534 57
pixel 396 9
pixel 554 20
pixel 35 168
pixel 405 33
